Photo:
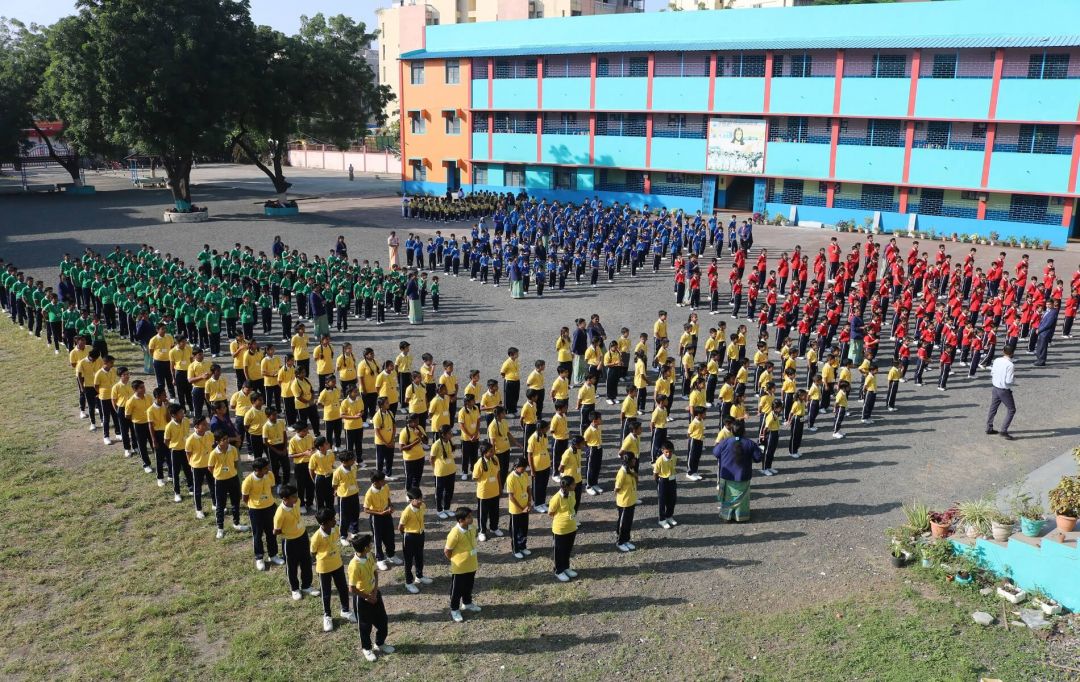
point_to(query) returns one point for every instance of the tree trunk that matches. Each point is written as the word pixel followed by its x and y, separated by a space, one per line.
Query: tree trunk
pixel 71 165
pixel 277 176
pixel 178 169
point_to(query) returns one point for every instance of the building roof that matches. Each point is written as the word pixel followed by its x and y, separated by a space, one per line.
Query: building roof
pixel 952 24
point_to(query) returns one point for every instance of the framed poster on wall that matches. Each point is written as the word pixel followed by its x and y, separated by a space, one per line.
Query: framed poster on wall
pixel 736 145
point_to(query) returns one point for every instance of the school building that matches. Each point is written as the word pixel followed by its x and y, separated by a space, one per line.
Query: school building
pixel 959 116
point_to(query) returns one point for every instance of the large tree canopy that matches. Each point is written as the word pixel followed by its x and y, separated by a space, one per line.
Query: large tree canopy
pixel 23 58
pixel 169 74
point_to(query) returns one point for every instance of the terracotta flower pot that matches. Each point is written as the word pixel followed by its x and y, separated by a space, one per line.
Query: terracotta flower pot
pixel 939 530
pixel 1066 524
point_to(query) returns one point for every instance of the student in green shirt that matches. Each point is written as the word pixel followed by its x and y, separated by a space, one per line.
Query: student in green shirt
pixel 53 313
pixel 284 308
pixel 341 301
pixel 213 329
pixel 266 309
pixel 247 317
pixel 70 319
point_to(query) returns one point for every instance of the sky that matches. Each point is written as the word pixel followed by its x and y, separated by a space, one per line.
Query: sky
pixel 283 15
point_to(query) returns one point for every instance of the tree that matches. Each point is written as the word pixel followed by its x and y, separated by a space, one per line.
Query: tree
pixel 316 83
pixel 22 62
pixel 168 76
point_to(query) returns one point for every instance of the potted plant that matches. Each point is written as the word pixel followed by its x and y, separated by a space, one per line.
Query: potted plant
pixel 1046 244
pixel 1047 604
pixel 918 517
pixel 1011 593
pixel 955 237
pixel 941 522
pixel 1064 501
pixel 993 238
pixel 936 552
pixel 966 569
pixel 976 517
pixel 901 544
pixel 1002 525
pixel 1031 514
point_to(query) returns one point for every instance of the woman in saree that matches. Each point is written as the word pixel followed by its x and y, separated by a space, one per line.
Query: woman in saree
pixel 735 458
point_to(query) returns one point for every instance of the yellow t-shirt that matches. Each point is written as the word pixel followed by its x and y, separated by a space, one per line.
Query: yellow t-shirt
pixel 386 385
pixel 196 369
pixel 510 370
pixel 411 435
pixel 344 482
pixel 158 416
pixel 560 389
pixel 120 393
pixel 321 464
pixel 559 429
pixel 298 444
pixel 663 386
pixel 416 397
pixel 894 374
pixel 76 355
pixel 593 437
pixel 326 547
pixel 528 413
pixel 403 363
pixel 570 464
pixel 138 409
pixel 499 435
pixel 368 371
pixel 450 382
pixel 474 389
pixel 324 359
pixel 412 518
pixel 160 346
pixel 237 351
pixel 562 509
pixel 870 383
pixel 535 380
pixel 383 423
pixel 427 374
pixel 641 379
pixel 273 433
pixel 625 488
pixel 539 451
pixel 486 474
pixel 438 413
pixel 180 357
pixel 562 350
pixel 270 366
pixel 216 390
pixel 697 399
pixel 223 464
pixel 330 400
pixel 789 385
pixel 461 543
pixel 361 574
pixel 287 520
pixel 772 422
pixel 696 429
pixel 259 491
pixel 659 329
pixel 469 421
pixel 587 394
pixel 87 368
pixel 517 491
pixel 240 403
pixel 198 449
pixel 489 401
pixel 664 467
pixel 104 380
pixel 253 365
pixel 629 407
pixel 254 421
pixel 726 392
pixel 377 499
pixel 346 367
pixel 442 453
pixel 352 413
pixel 798 409
pixel 176 432
pixel 299 344
pixel 302 393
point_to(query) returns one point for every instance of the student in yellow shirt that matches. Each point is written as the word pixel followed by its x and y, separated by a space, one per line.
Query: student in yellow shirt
pixel 788 388
pixel 570 466
pixel 286 377
pixel 468 418
pixel 240 404
pixel 444 467
pixel 257 494
pixel 663 386
pixel 641 380
pixel 237 349
pixel 352 418
pixel 438 411
pixel 411 527
pixel 330 402
pixel 368 372
pixel 894 379
pixel 660 330
pixel 379 510
pixel 511 374
pixel 520 501
pixel 175 436
pixel 560 387
pixel 158 417
pixel 223 464
pixel 563 351
pixel 529 413
pixel 294 544
pixel 104 379
pixel 486 474
pixel 869 394
pixel 427 375
pixel 695 436
pixel 628 409
pixel 197 448
pixel 300 352
pixel 594 455
pixel 85 370
pixel 502 440
pixel 460 550
pixel 270 366
pixel 321 470
pixel 586 400
pixel 795 421
pixel 538 452
pixel 416 399
pixel 613 371
pixel 666 485
pixel 216 388
pixel 535 382
pixel 382 423
pixel 159 346
pixel 626 485
pixel 347 492
pixel 254 420
pixel 770 435
pixel 301 447
pixel 179 359
pixel 136 412
pixel 120 392
pixel 449 381
pixel 252 358
pixel 346 369
pixel 305 396
pixel 367 599
pixel 403 365
pixel 325 546
pixel 489 400
pixel 840 404
pixel 412 440
pixel 76 354
pixel 562 508
pixel 658 423
pixel 387 385
pixel 274 445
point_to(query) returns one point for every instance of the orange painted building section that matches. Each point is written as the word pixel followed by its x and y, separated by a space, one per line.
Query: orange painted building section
pixel 433 100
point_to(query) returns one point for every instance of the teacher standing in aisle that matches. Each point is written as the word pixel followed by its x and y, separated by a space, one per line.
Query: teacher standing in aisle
pixel 1002 374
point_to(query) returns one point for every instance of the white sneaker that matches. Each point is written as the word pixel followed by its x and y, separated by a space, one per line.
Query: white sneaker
pixel 296 596
pixel 598 489
pixel 866 421
pixel 519 555
pixel 260 565
pixel 622 548
pixel 176 497
pixel 277 561
pixel 454 616
pixel 396 561
pixel 672 521
pixel 527 552
pixel 891 409
pixel 127 453
pixel 349 616
pixel 498 533
pixel 425 580
pixel 327 624
pixel 220 533
pixel 384 648
pixel 471 607
pixel 766 472
pixel 571 572
pixel 369 656
pixel 590 490
pixel 795 455
pixel 344 542
pixel 382 565
pixel 482 537
pixel 812 429
pixel 160 481
pixel 200 515
pixel 443 515
pixel 412 589
pixel 664 524
pixel 240 527
pixel 464 477
pixel 838 435
pixel 562 577
pixel 106 440
pixel 311 591
pixel 631 545
pixel 82 414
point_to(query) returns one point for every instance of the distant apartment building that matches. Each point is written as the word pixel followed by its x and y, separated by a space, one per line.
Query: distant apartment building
pixel 402 24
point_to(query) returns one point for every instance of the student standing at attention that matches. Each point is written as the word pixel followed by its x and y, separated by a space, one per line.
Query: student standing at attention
pixel 664 473
pixel 626 483
pixel 562 508
pixel 486 474
pixel 326 547
pixel 367 599
pixel 411 527
pixel 257 493
pixel 380 511
pixel 520 500
pixel 295 544
pixel 460 549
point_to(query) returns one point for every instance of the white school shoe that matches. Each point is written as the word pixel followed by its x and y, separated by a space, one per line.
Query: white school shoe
pixel 766 472
pixel 590 490
pixel 672 521
pixel 482 537
pixel 664 524
pixel 396 561
pixel 277 561
pixel 940 388
pixel 384 648
pixel 891 409
pixel 454 616
pixel 571 572
pixel 774 472
pixel 345 542
pixel 498 533
pixel 310 591
pixel 442 515
pixel 464 477
pixel 471 607
pixel 296 596
pixel 147 470
pixel 631 545
pixel 220 533
pixel 562 577
pixel 127 453
pixel 382 565
pixel 82 414
pixel 327 624
pixel 866 421
pixel 795 455
pixel 260 565
pixel 837 435
pixel 349 616
pixel 527 552
pixel 519 555
pixel 411 588
pixel 106 440
pixel 161 483
pixel 812 429
pixel 240 527
pixel 903 380
pixel 622 548
pixel 199 514
pixel 425 580
pixel 176 497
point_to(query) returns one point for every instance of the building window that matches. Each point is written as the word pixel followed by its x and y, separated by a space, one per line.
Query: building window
pixel 944 66
pixel 978 131
pixel 748 65
pixel 523 123
pixel 801 65
pixel 890 66
pixel 1048 66
pixel 877 198
pixel 884 133
pixel 416 73
pixel 1037 139
pixel 453 123
pixel 515 68
pixel 453 71
pixel 565 178
pixel 479 123
pixel 622 66
pixel 515 176
pixel 419 171
pixel 479 174
pixel 937 134
pixel 417 124
pixel 621 125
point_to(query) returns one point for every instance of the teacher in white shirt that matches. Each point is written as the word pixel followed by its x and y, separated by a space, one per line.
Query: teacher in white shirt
pixel 1001 375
